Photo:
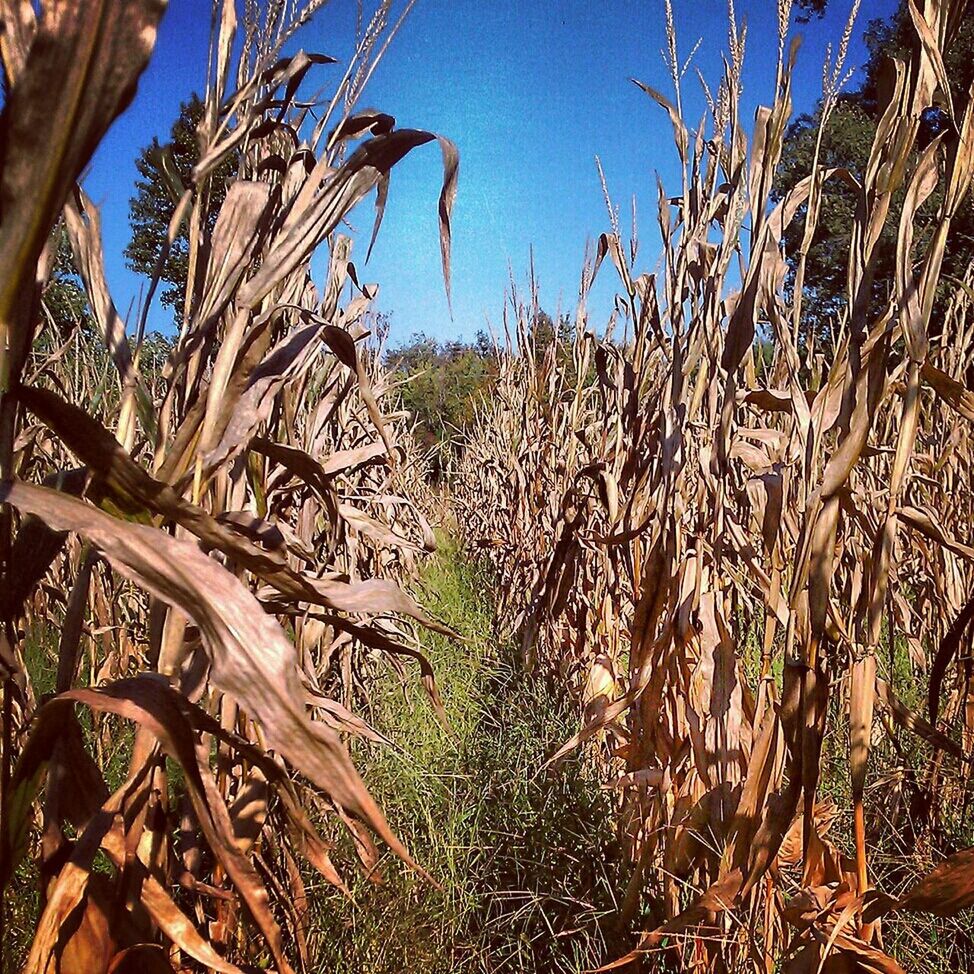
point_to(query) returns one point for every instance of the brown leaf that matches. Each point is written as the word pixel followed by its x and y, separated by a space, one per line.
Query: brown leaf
pixel 250 658
pixel 80 72
pixel 946 890
pixel 104 455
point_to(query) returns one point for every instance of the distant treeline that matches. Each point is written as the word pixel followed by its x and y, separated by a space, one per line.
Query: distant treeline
pixel 443 381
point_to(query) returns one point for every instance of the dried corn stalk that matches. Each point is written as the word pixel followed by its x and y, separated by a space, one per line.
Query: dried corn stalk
pixel 215 551
pixel 716 536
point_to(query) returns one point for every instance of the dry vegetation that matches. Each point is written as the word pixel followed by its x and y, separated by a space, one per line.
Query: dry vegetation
pixel 746 555
pixel 213 555
pixel 740 549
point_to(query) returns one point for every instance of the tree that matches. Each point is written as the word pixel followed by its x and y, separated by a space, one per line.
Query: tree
pixel 154 203
pixel 810 8
pixel 64 295
pixel 545 331
pixel 846 142
pixel 441 383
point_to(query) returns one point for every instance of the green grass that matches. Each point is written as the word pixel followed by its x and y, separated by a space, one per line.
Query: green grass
pixel 527 859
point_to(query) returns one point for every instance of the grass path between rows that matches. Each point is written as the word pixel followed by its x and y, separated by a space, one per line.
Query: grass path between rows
pixel 525 858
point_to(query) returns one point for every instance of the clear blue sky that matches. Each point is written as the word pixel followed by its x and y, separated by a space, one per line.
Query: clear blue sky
pixel 530 92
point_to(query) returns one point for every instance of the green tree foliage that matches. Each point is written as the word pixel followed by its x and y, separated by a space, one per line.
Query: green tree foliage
pixel 64 296
pixel 442 382
pixel 547 332
pixel 809 8
pixel 846 143
pixel 154 203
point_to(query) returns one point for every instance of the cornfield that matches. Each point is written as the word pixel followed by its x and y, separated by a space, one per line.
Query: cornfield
pixel 739 549
pixel 213 554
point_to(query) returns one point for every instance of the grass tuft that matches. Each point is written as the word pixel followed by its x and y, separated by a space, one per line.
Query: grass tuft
pixel 528 860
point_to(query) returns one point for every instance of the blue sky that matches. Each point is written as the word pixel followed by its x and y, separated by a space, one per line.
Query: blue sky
pixel 531 92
